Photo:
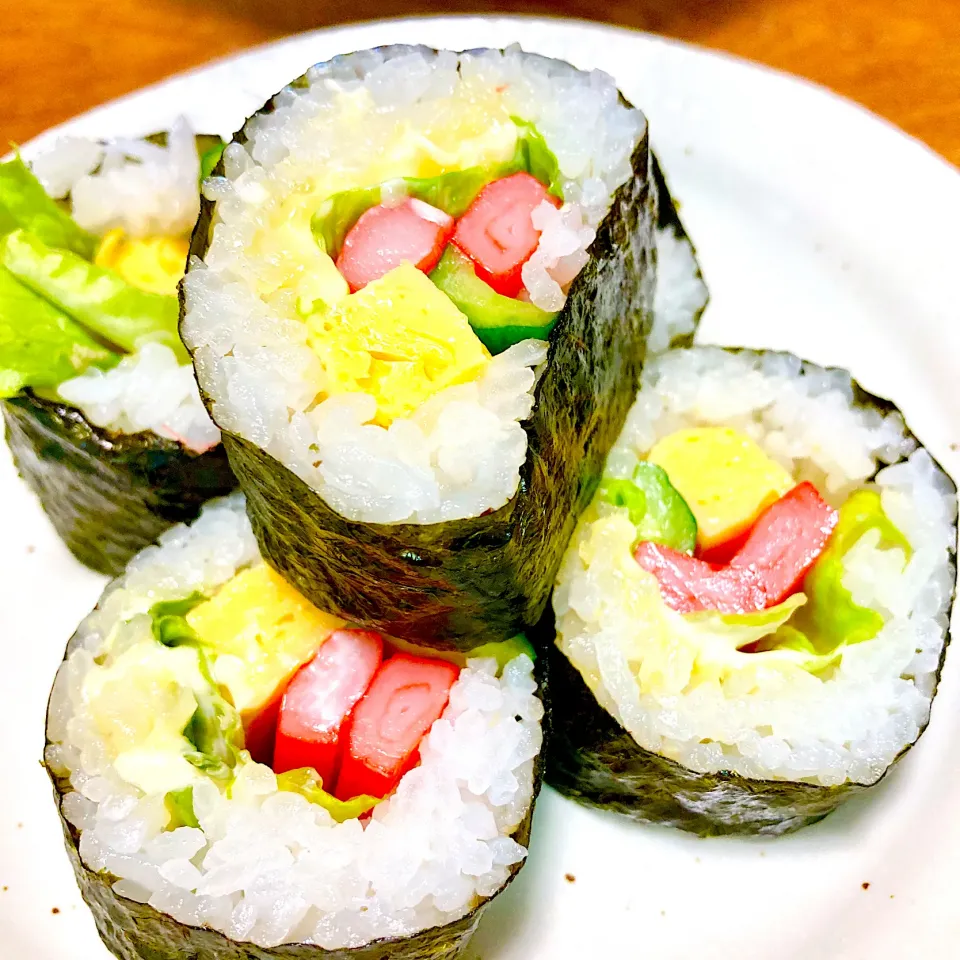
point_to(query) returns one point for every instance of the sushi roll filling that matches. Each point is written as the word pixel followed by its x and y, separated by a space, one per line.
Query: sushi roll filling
pixel 789 556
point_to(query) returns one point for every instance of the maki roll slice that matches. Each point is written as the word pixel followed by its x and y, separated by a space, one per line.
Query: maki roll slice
pixel 751 618
pixel 101 407
pixel 240 774
pixel 681 291
pixel 417 303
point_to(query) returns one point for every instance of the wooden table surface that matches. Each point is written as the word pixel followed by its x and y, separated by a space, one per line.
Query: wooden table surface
pixel 901 58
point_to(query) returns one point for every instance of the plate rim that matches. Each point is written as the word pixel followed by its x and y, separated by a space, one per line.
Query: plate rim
pixel 650 42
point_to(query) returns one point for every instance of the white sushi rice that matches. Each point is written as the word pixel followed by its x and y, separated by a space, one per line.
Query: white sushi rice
pixel 147 390
pixel 268 866
pixel 680 294
pixel 251 349
pixel 847 724
pixel 560 255
pixel 145 189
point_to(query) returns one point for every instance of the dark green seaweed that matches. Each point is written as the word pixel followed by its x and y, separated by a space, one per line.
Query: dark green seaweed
pixel 479 580
pixel 137 931
pixel 594 760
pixel 668 218
pixel 108 494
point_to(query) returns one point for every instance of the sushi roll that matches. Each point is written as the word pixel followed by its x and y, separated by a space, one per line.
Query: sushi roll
pixel 101 407
pixel 751 618
pixel 417 301
pixel 240 774
pixel 681 291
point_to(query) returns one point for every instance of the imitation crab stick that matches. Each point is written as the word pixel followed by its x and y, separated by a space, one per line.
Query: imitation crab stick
pixel 786 541
pixel 384 237
pixel 688 584
pixel 408 694
pixel 497 232
pixel 319 700
pixel 778 553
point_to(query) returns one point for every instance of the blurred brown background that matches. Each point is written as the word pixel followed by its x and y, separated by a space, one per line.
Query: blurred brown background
pixel 901 58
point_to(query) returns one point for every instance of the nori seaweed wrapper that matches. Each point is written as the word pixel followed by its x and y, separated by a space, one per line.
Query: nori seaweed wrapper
pixel 466 582
pixel 593 759
pixel 137 931
pixel 107 494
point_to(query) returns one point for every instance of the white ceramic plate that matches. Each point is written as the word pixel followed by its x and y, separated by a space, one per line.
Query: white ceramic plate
pixel 822 230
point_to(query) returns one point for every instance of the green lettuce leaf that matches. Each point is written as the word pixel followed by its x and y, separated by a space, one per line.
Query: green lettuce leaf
pixel 723 636
pixel 739 630
pixel 338 213
pixel 40 346
pixel 307 782
pixel 179 804
pixel 788 637
pixel 621 492
pixel 24 204
pixel 210 158
pixel 169 625
pixel 174 631
pixel 176 608
pixel 99 299
pixel 168 621
pixel 505 651
pixel 216 732
pixel 537 158
pixel 832 618
pixel 215 729
pixel 451 192
pixel 454 192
